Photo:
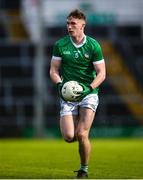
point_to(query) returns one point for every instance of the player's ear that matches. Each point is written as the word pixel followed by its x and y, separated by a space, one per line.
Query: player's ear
pixel 83 25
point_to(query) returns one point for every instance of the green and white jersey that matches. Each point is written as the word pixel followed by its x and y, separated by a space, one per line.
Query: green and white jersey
pixel 77 60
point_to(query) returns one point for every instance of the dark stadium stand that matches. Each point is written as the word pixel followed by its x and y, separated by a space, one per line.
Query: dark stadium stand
pixel 6 4
pixel 2 32
pixel 100 31
pixel 132 52
pixel 17 86
pixel 129 31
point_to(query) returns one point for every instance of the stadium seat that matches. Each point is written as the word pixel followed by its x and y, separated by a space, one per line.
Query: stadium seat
pixel 98 31
pixel 129 31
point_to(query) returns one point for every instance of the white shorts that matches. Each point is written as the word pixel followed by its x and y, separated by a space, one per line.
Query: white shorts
pixel 72 108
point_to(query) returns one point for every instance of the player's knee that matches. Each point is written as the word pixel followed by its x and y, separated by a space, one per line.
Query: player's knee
pixel 69 139
pixel 82 135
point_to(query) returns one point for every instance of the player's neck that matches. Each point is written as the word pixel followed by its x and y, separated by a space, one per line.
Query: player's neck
pixel 78 39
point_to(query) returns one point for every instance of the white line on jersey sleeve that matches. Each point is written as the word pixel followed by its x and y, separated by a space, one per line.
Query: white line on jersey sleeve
pixel 98 62
pixel 56 58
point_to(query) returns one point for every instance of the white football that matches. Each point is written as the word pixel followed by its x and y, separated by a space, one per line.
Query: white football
pixel 71 90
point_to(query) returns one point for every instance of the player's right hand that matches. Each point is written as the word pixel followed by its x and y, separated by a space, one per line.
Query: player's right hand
pixel 59 89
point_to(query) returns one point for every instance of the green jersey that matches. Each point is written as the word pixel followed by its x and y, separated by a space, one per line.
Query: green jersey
pixel 77 61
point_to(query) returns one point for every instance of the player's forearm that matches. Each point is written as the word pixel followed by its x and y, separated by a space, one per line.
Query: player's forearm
pixel 98 80
pixel 55 77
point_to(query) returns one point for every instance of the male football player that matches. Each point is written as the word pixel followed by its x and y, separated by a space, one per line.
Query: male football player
pixel 78 57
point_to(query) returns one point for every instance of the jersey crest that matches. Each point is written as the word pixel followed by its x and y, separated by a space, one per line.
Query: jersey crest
pixel 86 55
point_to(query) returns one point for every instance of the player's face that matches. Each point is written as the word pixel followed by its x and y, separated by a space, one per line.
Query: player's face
pixel 75 26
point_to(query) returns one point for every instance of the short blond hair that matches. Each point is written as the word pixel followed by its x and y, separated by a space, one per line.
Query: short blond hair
pixel 78 14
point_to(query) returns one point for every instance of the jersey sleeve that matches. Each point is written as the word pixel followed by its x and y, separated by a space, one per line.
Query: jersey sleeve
pixel 98 55
pixel 56 52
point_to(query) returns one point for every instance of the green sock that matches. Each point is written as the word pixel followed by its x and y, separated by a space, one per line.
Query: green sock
pixel 84 168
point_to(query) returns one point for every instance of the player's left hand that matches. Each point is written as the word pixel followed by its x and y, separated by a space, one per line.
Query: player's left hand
pixel 86 90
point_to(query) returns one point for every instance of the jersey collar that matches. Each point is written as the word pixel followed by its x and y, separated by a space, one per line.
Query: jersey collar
pixel 79 45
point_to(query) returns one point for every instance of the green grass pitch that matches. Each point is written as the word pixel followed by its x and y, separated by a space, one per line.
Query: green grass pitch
pixel 56 159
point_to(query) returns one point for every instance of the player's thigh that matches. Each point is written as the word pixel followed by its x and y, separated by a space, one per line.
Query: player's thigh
pixel 67 125
pixel 85 120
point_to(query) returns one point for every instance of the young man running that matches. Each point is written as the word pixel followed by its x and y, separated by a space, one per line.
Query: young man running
pixel 78 57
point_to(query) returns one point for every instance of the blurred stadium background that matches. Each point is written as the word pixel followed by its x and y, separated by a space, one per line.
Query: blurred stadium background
pixel 29 104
